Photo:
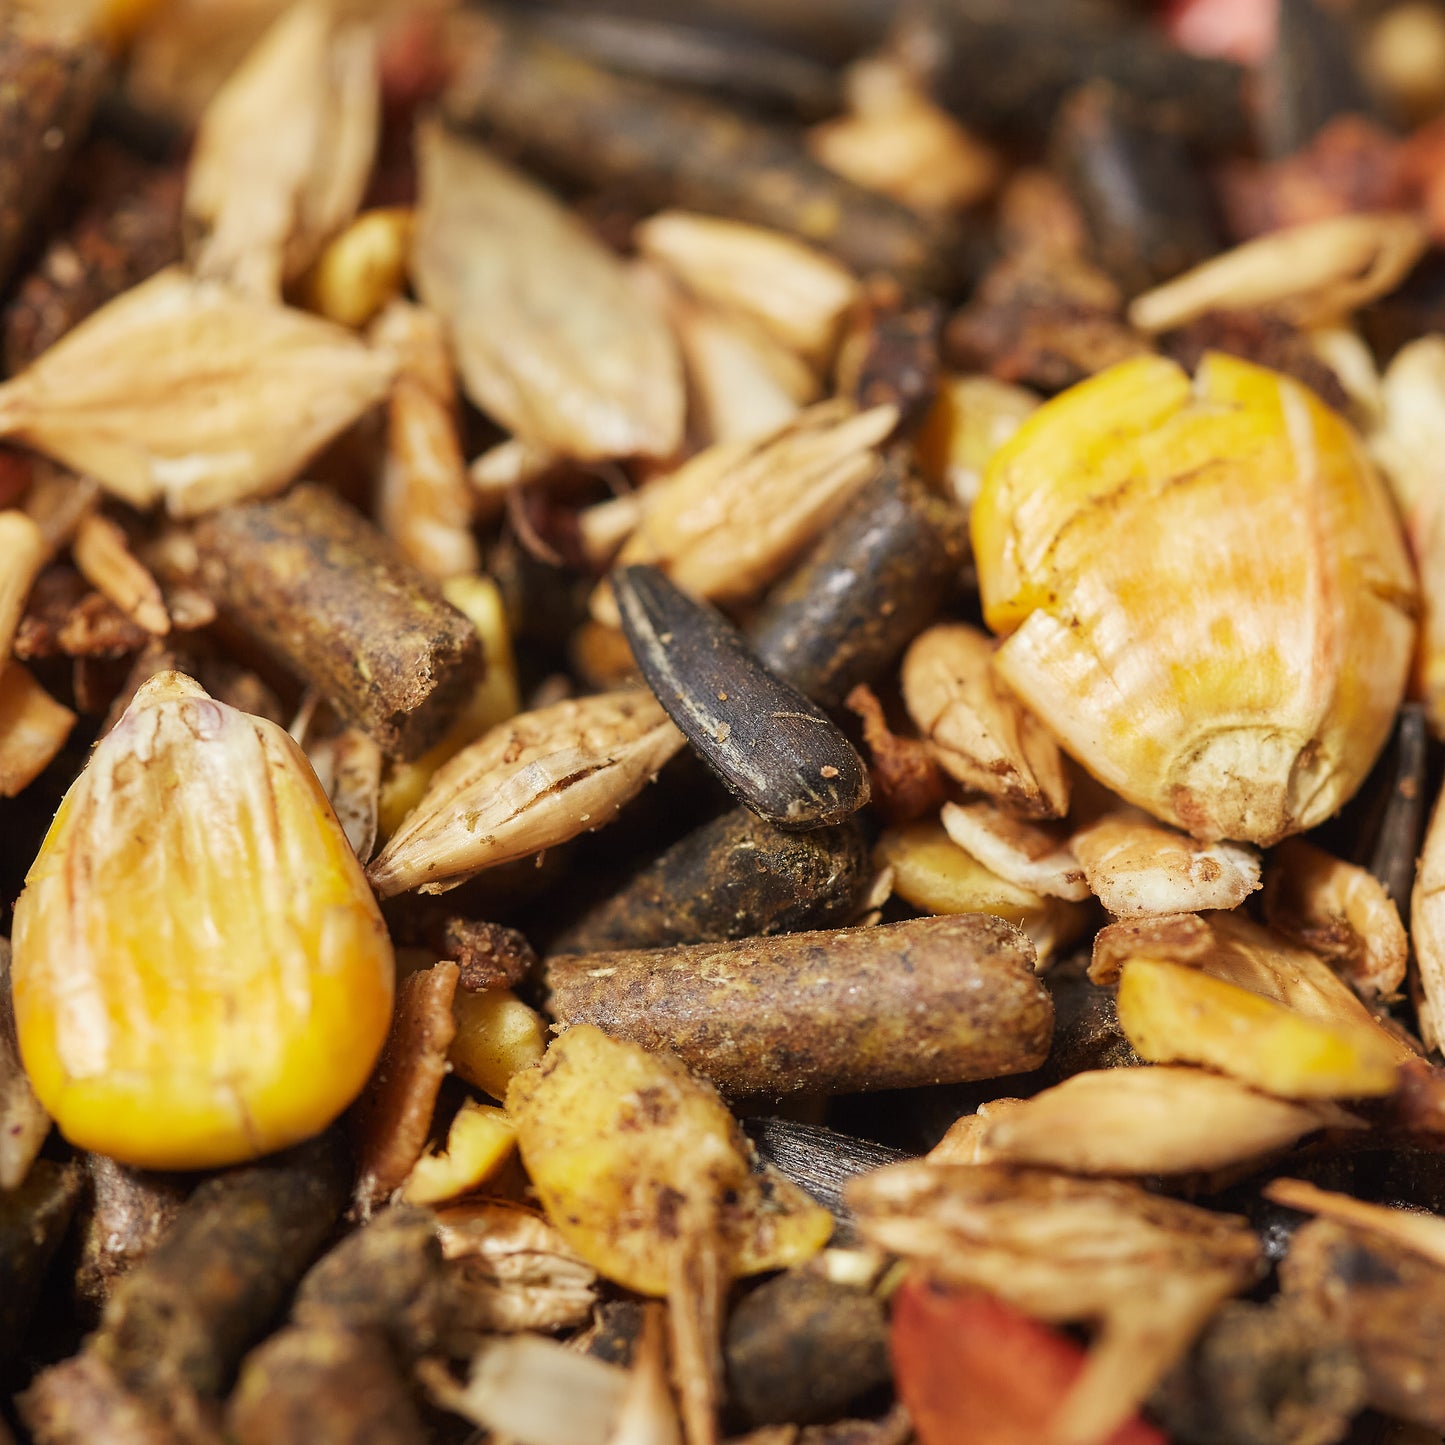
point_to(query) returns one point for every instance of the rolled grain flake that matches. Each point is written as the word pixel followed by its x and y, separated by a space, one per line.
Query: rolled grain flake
pixel 103 557
pixel 33 728
pixel 935 874
pixel 733 518
pixel 23 1122
pixel 932 1000
pixel 735 877
pixel 663 148
pixel 596 377
pixel 284 150
pixel 317 584
pixel 1150 1121
pixel 880 572
pixel 1339 911
pixel 1137 867
pixel 981 733
pixel 1029 855
pixel 778 753
pixel 527 785
pixel 1035 1238
pixel 49 86
pixel 186 390
pixel 1313 273
pixel 425 502
pixel 798 295
pixel 1173 1012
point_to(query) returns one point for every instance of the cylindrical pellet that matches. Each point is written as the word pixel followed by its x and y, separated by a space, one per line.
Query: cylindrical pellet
pixel 315 582
pixel 871 583
pixel 929 1001
pixel 735 877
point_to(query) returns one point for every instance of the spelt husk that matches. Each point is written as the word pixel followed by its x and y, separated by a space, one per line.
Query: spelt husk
pixel 103 557
pixel 33 728
pixel 735 516
pixel 189 391
pixel 284 150
pixel 1315 273
pixel 552 337
pixel 529 784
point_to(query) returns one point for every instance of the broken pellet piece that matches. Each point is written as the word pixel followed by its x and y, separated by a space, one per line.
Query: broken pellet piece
pixel 932 1000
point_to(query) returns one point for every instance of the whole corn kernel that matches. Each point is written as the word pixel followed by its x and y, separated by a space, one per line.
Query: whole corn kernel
pixel 1205 592
pixel 201 974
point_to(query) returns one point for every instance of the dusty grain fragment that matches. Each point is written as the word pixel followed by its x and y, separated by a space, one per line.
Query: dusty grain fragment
pixel 1174 937
pixel 905 782
pixel 1029 854
pixel 33 728
pixel 932 1000
pixel 1137 868
pixel 126 1215
pixel 312 580
pixel 1133 1122
pixel 1341 912
pixel 881 570
pixel 735 877
pixel 393 1116
pixel 284 151
pixel 1033 1238
pixel 598 377
pixel 185 390
pixel 530 783
pixel 775 751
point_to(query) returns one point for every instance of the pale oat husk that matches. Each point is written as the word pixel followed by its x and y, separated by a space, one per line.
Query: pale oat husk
pixel 33 728
pixel 897 141
pixel 529 784
pixel 186 390
pixel 22 554
pixel 963 1141
pixel 552 337
pixel 1159 1120
pixel 513 1270
pixel 1410 449
pixel 1423 1233
pixel 797 294
pixel 734 517
pixel 23 1123
pixel 1029 855
pixel 1314 273
pixel 348 767
pixel 425 501
pixel 1427 929
pixel 284 150
pixel 1139 868
pixel 736 385
pixel 103 557
pixel 977 730
pixel 1149 1271
pixel 1339 911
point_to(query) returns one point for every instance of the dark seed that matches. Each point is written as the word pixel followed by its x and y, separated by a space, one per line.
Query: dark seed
pixel 869 585
pixel 778 753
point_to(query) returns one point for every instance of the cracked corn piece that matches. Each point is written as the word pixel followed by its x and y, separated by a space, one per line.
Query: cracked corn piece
pixel 1204 591
pixel 201 974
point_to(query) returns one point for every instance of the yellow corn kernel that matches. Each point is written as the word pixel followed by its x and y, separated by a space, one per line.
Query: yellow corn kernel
pixel 933 873
pixel 362 269
pixel 481 1139
pixel 1205 589
pixel 495 700
pixel 1171 1012
pixel 497 1036
pixel 201 973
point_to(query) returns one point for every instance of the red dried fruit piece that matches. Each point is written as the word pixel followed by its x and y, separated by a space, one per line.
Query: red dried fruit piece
pixel 972 1370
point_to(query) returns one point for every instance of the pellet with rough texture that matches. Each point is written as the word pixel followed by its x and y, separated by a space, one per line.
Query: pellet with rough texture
pixel 735 877
pixel 319 586
pixel 928 1001
pixel 870 584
